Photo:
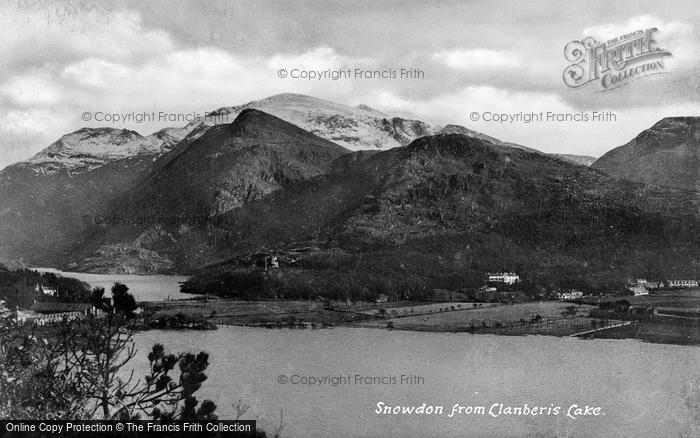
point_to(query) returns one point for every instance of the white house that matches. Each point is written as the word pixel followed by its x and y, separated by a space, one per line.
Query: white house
pixel 570 295
pixel 46 290
pixel 382 298
pixel 46 313
pixel 638 290
pixel 503 277
pixel 682 283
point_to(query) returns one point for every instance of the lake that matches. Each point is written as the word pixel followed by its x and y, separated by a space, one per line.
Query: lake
pixel 143 287
pixel 641 389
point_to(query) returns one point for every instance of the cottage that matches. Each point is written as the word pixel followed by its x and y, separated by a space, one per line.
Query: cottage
pixel 46 290
pixel 382 298
pixel 503 277
pixel 638 290
pixel 569 295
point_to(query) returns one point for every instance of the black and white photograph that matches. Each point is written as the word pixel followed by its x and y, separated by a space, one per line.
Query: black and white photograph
pixel 307 218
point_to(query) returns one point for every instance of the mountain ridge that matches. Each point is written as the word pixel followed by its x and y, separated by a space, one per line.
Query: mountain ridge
pixel 666 154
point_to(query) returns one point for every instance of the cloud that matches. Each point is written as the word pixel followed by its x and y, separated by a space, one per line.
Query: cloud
pixel 591 138
pixel 76 30
pixel 476 59
pixel 185 80
pixel 676 36
pixel 320 58
pixel 61 60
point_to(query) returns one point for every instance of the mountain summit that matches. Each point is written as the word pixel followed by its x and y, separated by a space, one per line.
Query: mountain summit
pixel 89 148
pixel 667 154
pixel 232 164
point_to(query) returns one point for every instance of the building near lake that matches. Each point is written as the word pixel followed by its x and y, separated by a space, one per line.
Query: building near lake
pixel 570 295
pixel 46 290
pixel 46 313
pixel 382 298
pixel 682 283
pixel 503 277
pixel 638 290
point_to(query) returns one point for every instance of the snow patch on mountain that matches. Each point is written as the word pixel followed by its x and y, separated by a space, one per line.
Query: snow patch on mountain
pixel 89 148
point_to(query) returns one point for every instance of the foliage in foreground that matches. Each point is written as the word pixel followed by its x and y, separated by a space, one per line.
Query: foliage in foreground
pixel 77 370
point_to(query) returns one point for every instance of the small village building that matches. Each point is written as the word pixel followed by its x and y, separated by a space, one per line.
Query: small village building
pixel 24 316
pixel 266 261
pixel 46 290
pixel 682 283
pixel 503 277
pixel 46 313
pixel 572 294
pixel 382 298
pixel 638 290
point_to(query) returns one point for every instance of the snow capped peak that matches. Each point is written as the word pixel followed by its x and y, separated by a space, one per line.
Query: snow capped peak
pixel 354 127
pixel 88 148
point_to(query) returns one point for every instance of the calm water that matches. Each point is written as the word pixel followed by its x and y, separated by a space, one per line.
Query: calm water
pixel 643 389
pixel 143 287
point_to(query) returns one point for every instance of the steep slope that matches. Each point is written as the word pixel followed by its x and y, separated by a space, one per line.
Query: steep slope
pixel 44 212
pixel 449 207
pixel 48 202
pixel 224 169
pixel 583 160
pixel 667 154
pixel 232 164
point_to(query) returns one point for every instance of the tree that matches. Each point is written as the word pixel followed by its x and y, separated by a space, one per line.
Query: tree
pixel 122 300
pixel 78 372
pixel 33 382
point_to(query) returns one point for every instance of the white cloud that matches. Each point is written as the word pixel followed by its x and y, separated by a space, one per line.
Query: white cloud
pixel 676 36
pixel 591 138
pixel 320 58
pixel 57 66
pixel 181 81
pixel 476 59
pixel 36 88
pixel 96 73
pixel 30 31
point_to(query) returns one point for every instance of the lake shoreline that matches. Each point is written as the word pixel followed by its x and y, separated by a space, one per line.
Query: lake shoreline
pixel 503 320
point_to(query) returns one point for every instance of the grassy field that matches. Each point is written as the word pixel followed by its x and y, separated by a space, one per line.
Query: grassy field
pixel 230 312
pixel 510 319
pixel 681 299
pixel 682 333
pixel 502 319
pixel 410 309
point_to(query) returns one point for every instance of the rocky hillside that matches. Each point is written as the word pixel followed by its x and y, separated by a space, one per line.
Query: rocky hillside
pixel 667 154
pixel 583 160
pixel 45 208
pixel 49 204
pixel 225 169
pixel 89 148
pixel 445 209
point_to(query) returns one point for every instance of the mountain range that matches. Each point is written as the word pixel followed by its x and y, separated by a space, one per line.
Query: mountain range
pixel 448 203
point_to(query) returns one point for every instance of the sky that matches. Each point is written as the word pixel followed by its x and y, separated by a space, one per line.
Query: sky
pixel 61 59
